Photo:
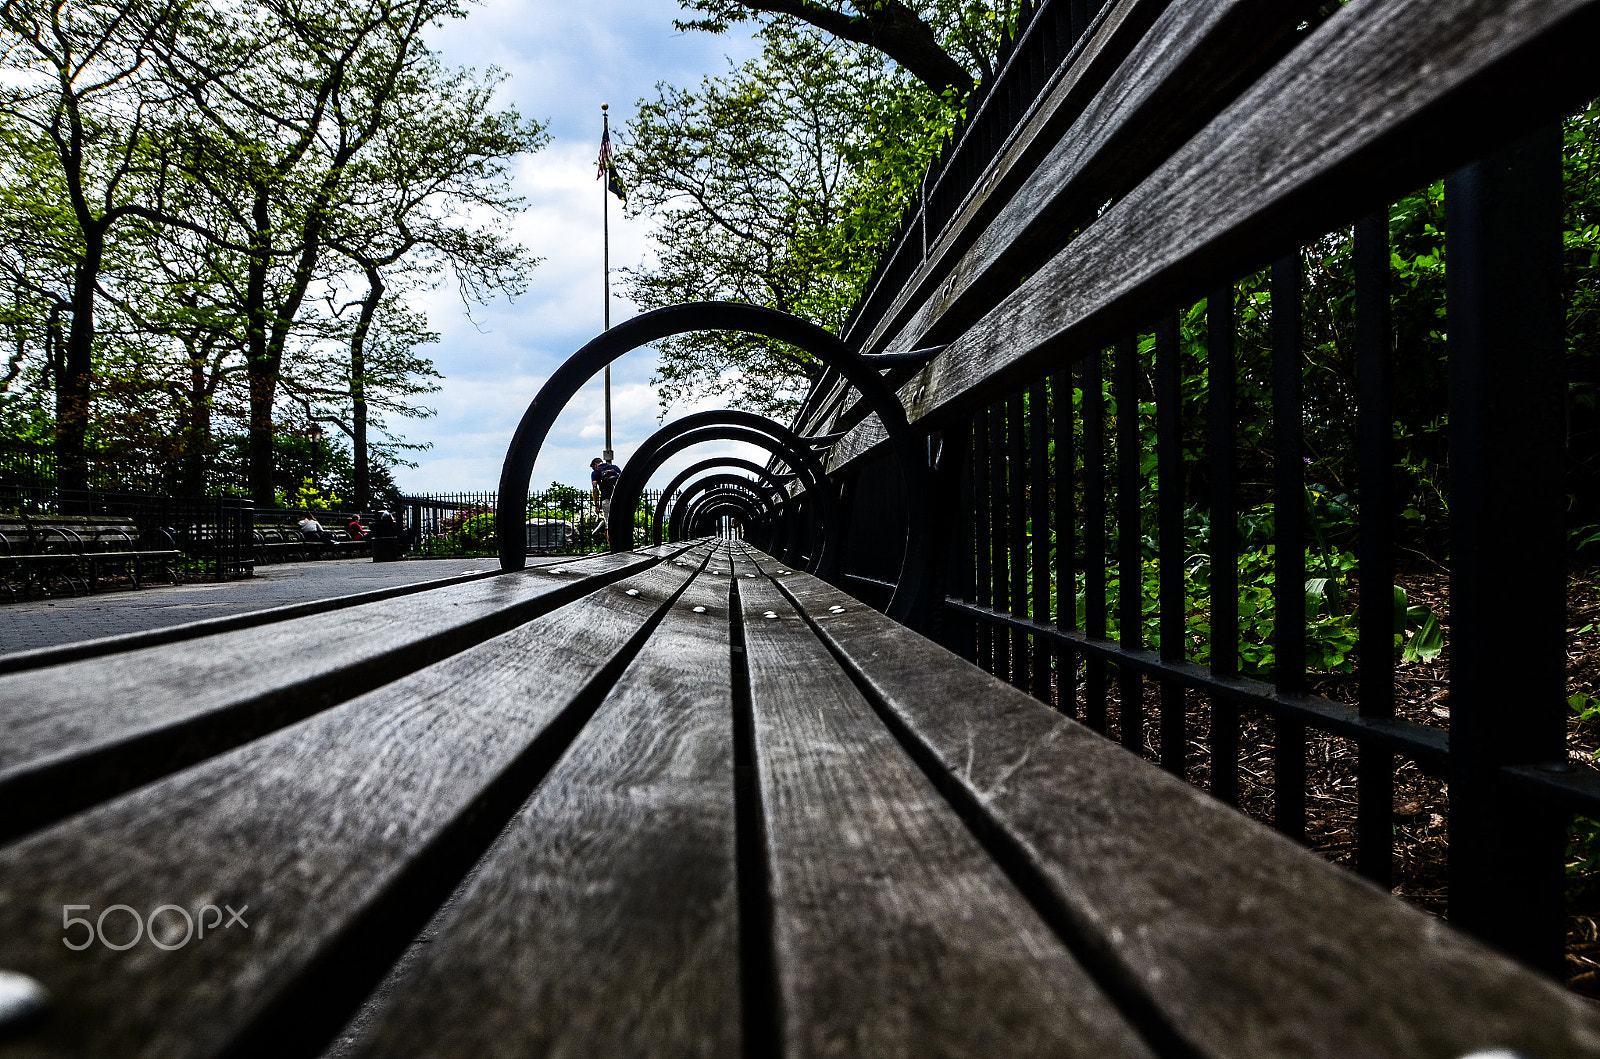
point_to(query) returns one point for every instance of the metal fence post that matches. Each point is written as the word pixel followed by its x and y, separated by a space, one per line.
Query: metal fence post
pixel 1507 551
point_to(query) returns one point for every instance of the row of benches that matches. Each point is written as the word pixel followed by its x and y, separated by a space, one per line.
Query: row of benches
pixel 33 552
pixel 37 553
pixel 280 543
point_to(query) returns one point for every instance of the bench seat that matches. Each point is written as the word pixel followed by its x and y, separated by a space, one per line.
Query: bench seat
pixel 679 801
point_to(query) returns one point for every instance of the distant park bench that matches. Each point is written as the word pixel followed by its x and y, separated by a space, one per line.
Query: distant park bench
pixel 281 543
pixel 38 551
pixel 683 801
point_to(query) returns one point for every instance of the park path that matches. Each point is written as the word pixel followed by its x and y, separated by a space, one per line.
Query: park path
pixel 68 619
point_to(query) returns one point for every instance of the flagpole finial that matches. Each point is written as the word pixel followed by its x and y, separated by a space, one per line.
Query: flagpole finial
pixel 605 106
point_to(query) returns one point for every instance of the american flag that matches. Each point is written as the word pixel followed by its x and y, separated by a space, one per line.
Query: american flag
pixel 608 167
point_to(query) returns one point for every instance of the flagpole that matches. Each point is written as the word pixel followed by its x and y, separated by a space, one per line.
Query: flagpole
pixel 605 226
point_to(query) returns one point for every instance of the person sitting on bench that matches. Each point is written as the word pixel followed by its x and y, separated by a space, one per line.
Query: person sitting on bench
pixel 355 529
pixel 312 530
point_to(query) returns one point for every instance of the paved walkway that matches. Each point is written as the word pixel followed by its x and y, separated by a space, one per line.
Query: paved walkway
pixel 68 619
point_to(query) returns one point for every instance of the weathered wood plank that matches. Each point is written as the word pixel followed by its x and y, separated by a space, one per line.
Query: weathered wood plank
pixel 1077 153
pixel 1113 30
pixel 1247 944
pixel 1149 78
pixel 158 709
pixel 40 657
pixel 1384 96
pixel 893 932
pixel 342 834
pixel 608 908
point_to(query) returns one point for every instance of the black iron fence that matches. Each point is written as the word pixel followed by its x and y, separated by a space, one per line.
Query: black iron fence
pixel 216 534
pixel 559 522
pixel 24 463
pixel 1162 515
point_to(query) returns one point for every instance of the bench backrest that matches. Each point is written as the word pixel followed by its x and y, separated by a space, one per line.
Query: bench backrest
pixel 1076 250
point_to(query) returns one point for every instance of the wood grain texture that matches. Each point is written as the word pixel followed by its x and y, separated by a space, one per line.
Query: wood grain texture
pixel 155 710
pixel 341 833
pixel 894 933
pixel 1384 96
pixel 604 921
pixel 1113 31
pixel 133 641
pixel 1149 78
pixel 1248 944
pixel 1076 153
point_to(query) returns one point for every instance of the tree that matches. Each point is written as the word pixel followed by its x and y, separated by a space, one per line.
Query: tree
pixel 778 185
pixel 782 182
pixel 191 173
pixel 381 375
pixel 288 95
pixel 83 118
pixel 920 38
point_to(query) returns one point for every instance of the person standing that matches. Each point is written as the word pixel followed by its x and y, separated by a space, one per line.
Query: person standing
pixel 603 478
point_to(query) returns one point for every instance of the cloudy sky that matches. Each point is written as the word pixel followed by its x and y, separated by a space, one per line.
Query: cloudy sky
pixel 564 58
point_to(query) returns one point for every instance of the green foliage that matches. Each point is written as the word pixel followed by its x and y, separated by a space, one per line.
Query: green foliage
pixel 1331 620
pixel 1583 865
pixel 1426 637
pixel 230 215
pixel 476 533
pixel 778 184
pixel 307 497
pixel 558 498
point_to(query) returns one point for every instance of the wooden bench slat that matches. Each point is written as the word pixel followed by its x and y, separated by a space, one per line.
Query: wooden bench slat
pixel 609 905
pixel 1050 178
pixel 883 308
pixel 1249 944
pixel 1381 97
pixel 40 657
pixel 1085 139
pixel 895 934
pixel 342 833
pixel 160 708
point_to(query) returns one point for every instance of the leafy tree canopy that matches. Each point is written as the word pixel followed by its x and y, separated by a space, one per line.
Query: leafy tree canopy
pixel 781 182
pixel 209 212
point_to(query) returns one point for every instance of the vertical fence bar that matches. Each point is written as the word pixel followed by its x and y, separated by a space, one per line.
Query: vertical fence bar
pixel 1094 538
pixel 1507 551
pixel 1289 565
pixel 849 496
pixel 959 630
pixel 1000 534
pixel 1130 564
pixel 1017 523
pixel 1375 443
pixel 1038 480
pixel 1224 543
pixel 1062 479
pixel 1169 515
pixel 983 575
